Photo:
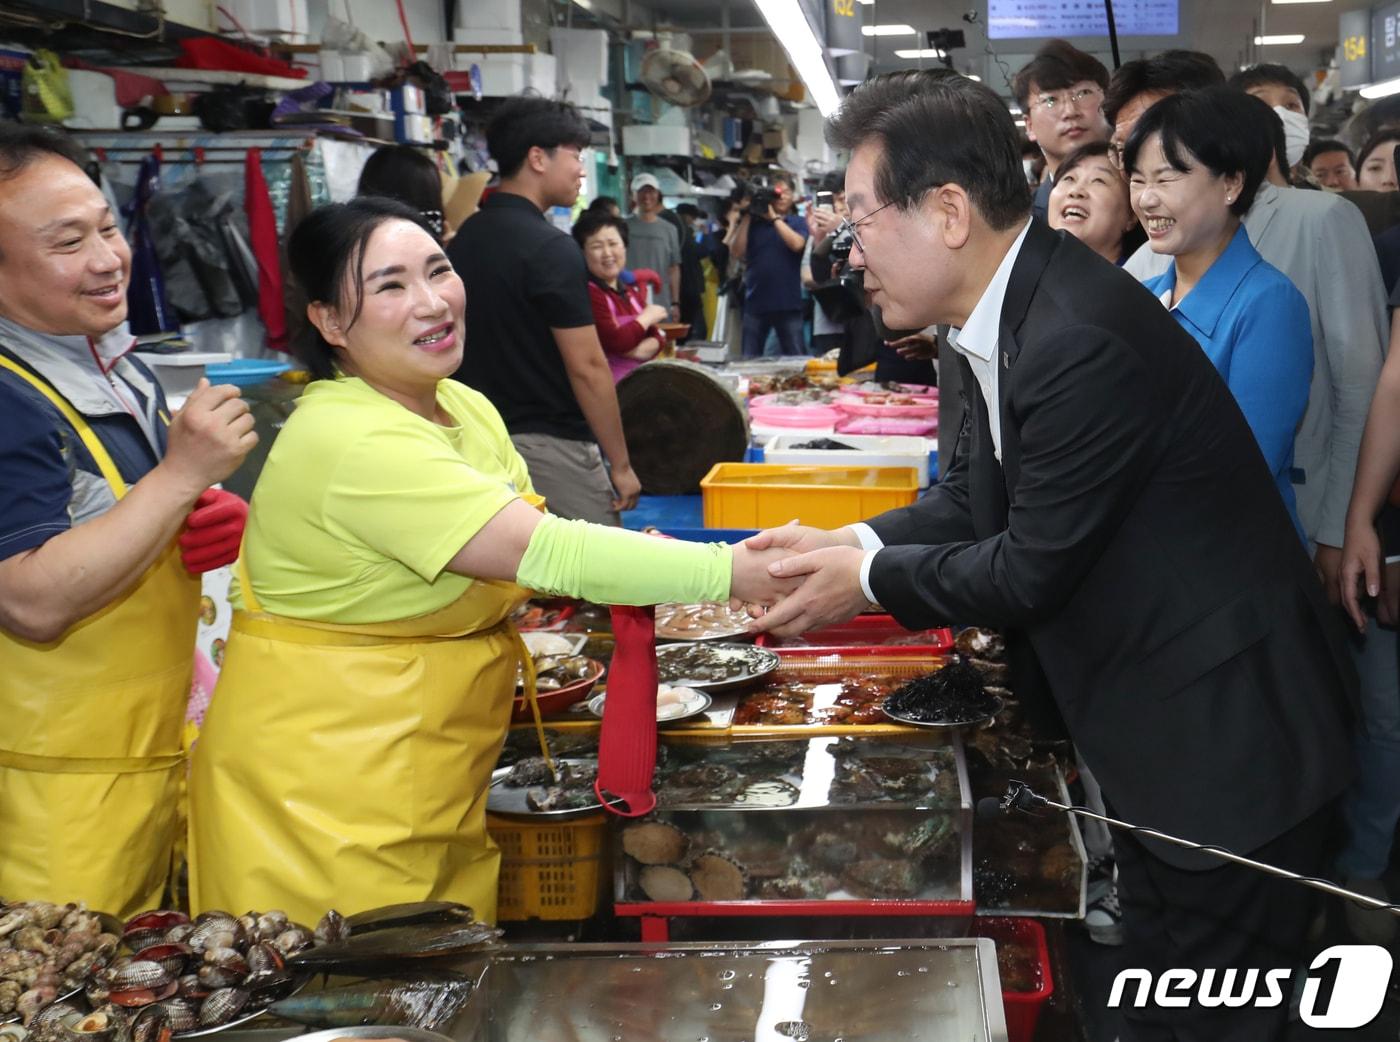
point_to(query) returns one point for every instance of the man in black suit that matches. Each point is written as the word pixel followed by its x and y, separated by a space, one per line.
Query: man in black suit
pixel 1109 507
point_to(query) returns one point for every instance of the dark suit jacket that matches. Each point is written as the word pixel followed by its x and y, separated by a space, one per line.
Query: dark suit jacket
pixel 1133 533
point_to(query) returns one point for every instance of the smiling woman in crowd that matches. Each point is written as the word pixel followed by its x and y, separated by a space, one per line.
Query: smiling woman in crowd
pixel 627 324
pixel 1090 201
pixel 372 664
pixel 1195 162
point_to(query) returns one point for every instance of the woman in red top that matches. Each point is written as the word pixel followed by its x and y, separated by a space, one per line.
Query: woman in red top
pixel 626 322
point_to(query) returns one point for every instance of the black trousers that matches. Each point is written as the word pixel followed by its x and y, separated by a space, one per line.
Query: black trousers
pixel 1221 918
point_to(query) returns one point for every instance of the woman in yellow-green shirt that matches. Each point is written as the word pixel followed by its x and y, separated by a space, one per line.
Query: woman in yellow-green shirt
pixel 368 678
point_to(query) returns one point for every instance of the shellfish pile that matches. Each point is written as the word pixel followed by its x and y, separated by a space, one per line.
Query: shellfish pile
pixel 165 974
pixel 47 950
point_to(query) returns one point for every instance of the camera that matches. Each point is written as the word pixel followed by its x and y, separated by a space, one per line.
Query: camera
pixel 843 298
pixel 761 196
pixel 841 248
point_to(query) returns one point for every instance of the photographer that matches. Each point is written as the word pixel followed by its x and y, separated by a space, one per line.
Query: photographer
pixel 839 318
pixel 770 238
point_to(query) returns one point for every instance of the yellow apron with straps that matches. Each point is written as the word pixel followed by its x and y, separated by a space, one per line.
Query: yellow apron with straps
pixel 348 766
pixel 90 734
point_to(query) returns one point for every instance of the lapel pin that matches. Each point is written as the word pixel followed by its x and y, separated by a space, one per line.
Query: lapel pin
pixel 1005 360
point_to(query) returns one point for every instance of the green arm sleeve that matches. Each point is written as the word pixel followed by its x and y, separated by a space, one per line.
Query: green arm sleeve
pixel 613 566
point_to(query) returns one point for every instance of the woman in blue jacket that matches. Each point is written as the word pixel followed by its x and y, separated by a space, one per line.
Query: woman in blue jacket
pixel 1195 161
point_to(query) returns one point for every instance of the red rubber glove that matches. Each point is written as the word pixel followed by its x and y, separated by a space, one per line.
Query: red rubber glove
pixel 627 744
pixel 213 531
pixel 646 277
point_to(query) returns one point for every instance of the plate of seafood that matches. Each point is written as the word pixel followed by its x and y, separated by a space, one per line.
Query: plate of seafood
pixel 713 667
pixel 550 616
pixel 954 696
pixel 529 789
pixel 164 975
pixel 560 681
pixel 798 698
pixel 541 644
pixel 672 704
pixel 701 622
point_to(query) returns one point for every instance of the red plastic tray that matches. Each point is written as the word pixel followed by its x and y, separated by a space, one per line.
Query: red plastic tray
pixel 1022 1007
pixel 864 632
pixel 655 916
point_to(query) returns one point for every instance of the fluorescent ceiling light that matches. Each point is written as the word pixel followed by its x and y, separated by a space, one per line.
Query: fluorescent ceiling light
pixel 787 22
pixel 889 30
pixel 1384 89
pixel 927 52
pixel 1274 1
pixel 867 3
pixel 1279 41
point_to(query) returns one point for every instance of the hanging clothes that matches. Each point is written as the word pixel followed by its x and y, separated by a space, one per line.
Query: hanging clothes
pixel 262 235
pixel 148 307
pixel 299 204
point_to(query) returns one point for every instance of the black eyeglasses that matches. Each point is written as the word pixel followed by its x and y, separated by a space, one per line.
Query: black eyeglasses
pixel 848 225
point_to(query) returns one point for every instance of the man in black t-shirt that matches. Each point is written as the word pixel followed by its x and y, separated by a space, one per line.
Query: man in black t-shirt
pixel 531 345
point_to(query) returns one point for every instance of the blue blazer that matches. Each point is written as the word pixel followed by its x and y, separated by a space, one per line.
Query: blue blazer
pixel 1254 326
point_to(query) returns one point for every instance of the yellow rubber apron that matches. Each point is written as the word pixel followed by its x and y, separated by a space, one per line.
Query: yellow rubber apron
pixel 90 728
pixel 347 766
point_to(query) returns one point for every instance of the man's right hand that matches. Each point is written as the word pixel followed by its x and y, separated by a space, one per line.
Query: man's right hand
pixel 208 438
pixel 821 223
pixel 627 486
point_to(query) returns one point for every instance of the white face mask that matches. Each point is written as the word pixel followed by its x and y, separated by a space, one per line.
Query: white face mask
pixel 1296 134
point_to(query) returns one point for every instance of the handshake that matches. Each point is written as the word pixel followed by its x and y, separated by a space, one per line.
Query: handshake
pixel 794 579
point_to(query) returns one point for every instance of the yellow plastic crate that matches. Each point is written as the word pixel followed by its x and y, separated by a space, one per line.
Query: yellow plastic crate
pixel 549 871
pixel 761 495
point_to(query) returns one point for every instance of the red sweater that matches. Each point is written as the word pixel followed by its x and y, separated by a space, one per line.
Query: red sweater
pixel 615 315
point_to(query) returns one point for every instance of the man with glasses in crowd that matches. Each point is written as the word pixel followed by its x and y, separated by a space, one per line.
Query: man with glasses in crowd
pixel 531 346
pixel 1188 648
pixel 1060 91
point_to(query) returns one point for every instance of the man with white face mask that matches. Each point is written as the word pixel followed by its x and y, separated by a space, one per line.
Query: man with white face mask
pixel 1287 95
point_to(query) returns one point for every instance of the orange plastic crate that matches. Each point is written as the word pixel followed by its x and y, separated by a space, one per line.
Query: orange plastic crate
pixel 549 871
pixel 762 495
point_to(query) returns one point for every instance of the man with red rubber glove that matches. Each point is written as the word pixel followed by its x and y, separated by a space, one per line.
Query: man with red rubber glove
pixel 213 531
pixel 97 610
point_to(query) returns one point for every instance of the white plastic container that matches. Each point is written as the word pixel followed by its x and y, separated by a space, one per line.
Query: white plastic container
pixel 651 139
pixel 358 68
pixel 179 374
pixel 493 37
pixel 281 17
pixel 332 66
pixel 869 451
pixel 489 14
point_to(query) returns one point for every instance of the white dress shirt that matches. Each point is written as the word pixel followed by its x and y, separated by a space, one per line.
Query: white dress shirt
pixel 977 341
